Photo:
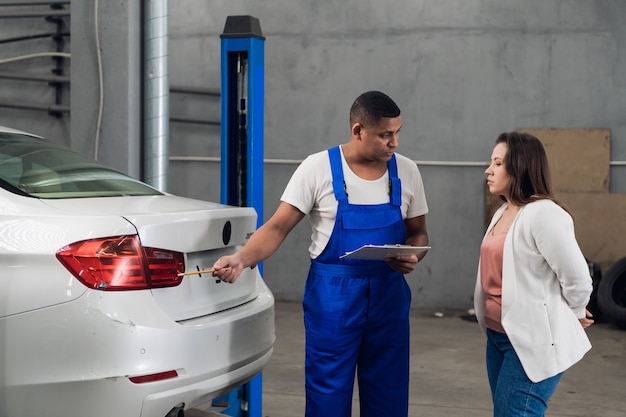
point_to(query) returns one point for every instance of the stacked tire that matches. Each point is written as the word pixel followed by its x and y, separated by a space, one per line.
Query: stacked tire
pixel 612 294
pixel 593 307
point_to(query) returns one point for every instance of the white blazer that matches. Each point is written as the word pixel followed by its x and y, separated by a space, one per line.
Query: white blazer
pixel 546 286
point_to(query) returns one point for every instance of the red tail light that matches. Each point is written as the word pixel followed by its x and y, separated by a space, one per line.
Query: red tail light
pixel 121 263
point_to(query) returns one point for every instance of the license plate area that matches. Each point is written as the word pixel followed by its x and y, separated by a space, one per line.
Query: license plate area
pixel 202 294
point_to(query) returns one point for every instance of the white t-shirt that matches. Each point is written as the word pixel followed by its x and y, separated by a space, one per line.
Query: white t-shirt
pixel 310 190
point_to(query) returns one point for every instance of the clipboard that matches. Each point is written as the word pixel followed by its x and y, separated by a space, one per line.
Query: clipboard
pixel 380 252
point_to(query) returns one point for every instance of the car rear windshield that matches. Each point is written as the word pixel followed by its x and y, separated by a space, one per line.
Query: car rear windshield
pixel 35 167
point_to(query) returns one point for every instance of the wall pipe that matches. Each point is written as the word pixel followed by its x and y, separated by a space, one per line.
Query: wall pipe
pixel 200 91
pixel 156 94
pixel 298 161
pixel 35 3
pixel 50 108
pixel 193 120
pixel 33 77
pixel 195 90
pixel 49 13
pixel 31 37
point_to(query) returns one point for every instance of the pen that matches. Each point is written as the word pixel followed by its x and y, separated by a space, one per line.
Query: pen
pixel 203 271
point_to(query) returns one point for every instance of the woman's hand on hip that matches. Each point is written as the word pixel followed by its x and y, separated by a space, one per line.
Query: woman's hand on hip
pixel 587 320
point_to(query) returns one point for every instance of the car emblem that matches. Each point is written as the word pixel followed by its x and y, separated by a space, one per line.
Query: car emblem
pixel 226 233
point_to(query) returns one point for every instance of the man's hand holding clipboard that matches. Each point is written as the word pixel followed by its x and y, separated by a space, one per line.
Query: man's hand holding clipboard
pixel 380 252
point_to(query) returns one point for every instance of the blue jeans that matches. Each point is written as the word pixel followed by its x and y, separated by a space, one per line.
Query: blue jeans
pixel 513 394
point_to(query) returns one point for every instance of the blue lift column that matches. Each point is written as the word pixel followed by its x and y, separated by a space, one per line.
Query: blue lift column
pixel 243 95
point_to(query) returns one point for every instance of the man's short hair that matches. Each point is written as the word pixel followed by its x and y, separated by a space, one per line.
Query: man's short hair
pixel 371 106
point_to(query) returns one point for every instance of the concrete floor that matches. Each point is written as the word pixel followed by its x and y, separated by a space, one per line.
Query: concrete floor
pixel 448 376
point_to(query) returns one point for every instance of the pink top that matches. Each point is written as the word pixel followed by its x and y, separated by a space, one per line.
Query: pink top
pixel 491 278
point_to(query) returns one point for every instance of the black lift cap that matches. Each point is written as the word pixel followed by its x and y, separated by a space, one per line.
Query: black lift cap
pixel 242 27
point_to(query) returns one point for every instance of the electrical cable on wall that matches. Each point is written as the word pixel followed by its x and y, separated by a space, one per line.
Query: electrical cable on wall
pixel 100 81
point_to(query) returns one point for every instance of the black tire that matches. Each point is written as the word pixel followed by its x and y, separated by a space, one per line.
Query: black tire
pixel 593 306
pixel 612 294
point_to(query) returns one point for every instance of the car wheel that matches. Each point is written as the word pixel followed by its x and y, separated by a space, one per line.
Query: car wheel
pixel 612 294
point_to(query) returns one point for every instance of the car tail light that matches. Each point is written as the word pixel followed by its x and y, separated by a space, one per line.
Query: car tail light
pixel 121 263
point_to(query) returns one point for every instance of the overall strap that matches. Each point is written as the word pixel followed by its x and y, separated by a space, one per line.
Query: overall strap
pixel 395 186
pixel 339 185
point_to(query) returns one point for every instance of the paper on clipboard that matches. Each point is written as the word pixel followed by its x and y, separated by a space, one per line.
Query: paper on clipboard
pixel 380 252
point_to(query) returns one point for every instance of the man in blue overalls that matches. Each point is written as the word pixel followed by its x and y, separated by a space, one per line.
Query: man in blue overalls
pixel 356 312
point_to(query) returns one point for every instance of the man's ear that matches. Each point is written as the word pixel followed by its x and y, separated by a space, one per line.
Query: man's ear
pixel 356 129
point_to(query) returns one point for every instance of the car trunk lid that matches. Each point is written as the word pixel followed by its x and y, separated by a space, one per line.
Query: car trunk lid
pixel 203 231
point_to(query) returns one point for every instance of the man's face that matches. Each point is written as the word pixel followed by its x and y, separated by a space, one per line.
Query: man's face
pixel 380 141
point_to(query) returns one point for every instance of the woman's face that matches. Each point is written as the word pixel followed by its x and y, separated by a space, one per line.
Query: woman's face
pixel 498 179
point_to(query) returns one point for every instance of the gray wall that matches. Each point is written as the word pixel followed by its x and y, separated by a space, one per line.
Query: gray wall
pixel 107 117
pixel 461 70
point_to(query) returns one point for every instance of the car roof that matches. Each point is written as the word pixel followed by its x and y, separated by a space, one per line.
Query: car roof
pixel 4 129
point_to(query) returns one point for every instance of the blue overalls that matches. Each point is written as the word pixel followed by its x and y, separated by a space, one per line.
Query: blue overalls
pixel 356 312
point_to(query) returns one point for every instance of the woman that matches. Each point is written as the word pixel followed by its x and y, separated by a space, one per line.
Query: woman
pixel 533 282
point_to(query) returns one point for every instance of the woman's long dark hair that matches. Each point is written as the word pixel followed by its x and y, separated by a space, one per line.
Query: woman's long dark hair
pixel 526 163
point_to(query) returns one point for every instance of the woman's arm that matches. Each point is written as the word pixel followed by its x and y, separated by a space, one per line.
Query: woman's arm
pixel 553 232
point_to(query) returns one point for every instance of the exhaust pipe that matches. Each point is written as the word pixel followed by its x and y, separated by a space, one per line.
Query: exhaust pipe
pixel 177 411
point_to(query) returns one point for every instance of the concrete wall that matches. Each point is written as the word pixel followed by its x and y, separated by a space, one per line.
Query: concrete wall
pixel 107 83
pixel 461 70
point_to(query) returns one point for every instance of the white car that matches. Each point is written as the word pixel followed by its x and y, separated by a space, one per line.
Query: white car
pixel 102 309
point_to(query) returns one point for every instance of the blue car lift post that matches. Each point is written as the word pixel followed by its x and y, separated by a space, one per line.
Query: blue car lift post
pixel 242 72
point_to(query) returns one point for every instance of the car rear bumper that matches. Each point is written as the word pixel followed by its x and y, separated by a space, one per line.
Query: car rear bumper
pixel 108 339
pixel 160 403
